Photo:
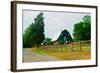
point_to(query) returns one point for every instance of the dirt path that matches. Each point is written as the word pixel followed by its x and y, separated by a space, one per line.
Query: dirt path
pixel 29 56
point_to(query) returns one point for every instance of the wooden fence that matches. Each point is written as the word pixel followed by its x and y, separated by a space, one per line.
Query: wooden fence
pixel 72 47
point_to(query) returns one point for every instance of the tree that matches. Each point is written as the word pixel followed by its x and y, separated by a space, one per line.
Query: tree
pixel 87 27
pixel 38 30
pixel 28 37
pixel 82 30
pixel 47 41
pixel 34 34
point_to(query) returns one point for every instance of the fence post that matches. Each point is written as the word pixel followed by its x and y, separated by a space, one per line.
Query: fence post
pixel 61 48
pixel 80 46
pixel 72 48
pixel 57 49
pixel 66 49
pixel 54 48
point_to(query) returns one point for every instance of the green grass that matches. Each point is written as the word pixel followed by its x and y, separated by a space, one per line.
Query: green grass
pixel 66 53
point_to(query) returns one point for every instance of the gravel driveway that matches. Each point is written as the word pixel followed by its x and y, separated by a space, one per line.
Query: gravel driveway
pixel 29 56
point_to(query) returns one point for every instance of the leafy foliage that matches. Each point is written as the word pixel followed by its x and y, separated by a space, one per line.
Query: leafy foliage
pixel 34 34
pixel 28 37
pixel 82 30
pixel 47 41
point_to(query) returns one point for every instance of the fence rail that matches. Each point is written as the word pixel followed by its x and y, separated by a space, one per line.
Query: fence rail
pixel 71 47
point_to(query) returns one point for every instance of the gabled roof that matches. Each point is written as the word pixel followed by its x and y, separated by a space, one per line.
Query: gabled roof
pixel 56 36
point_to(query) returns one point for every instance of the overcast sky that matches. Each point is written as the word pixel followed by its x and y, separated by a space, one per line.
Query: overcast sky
pixel 54 21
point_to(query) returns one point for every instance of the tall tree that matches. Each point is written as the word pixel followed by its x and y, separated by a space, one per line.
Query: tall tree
pixel 38 30
pixel 34 34
pixel 82 30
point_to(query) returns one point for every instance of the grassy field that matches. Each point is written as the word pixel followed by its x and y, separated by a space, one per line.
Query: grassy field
pixel 66 53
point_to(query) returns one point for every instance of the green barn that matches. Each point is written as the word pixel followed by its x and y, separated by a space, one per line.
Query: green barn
pixel 62 37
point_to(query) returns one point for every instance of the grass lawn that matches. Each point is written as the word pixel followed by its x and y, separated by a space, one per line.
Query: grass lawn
pixel 68 54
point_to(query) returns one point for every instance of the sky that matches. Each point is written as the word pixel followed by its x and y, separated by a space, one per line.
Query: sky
pixel 54 21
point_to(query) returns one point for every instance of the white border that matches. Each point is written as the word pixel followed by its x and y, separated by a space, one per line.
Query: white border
pixel 21 65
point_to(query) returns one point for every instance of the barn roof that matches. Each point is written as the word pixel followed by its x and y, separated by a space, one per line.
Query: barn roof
pixel 56 36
